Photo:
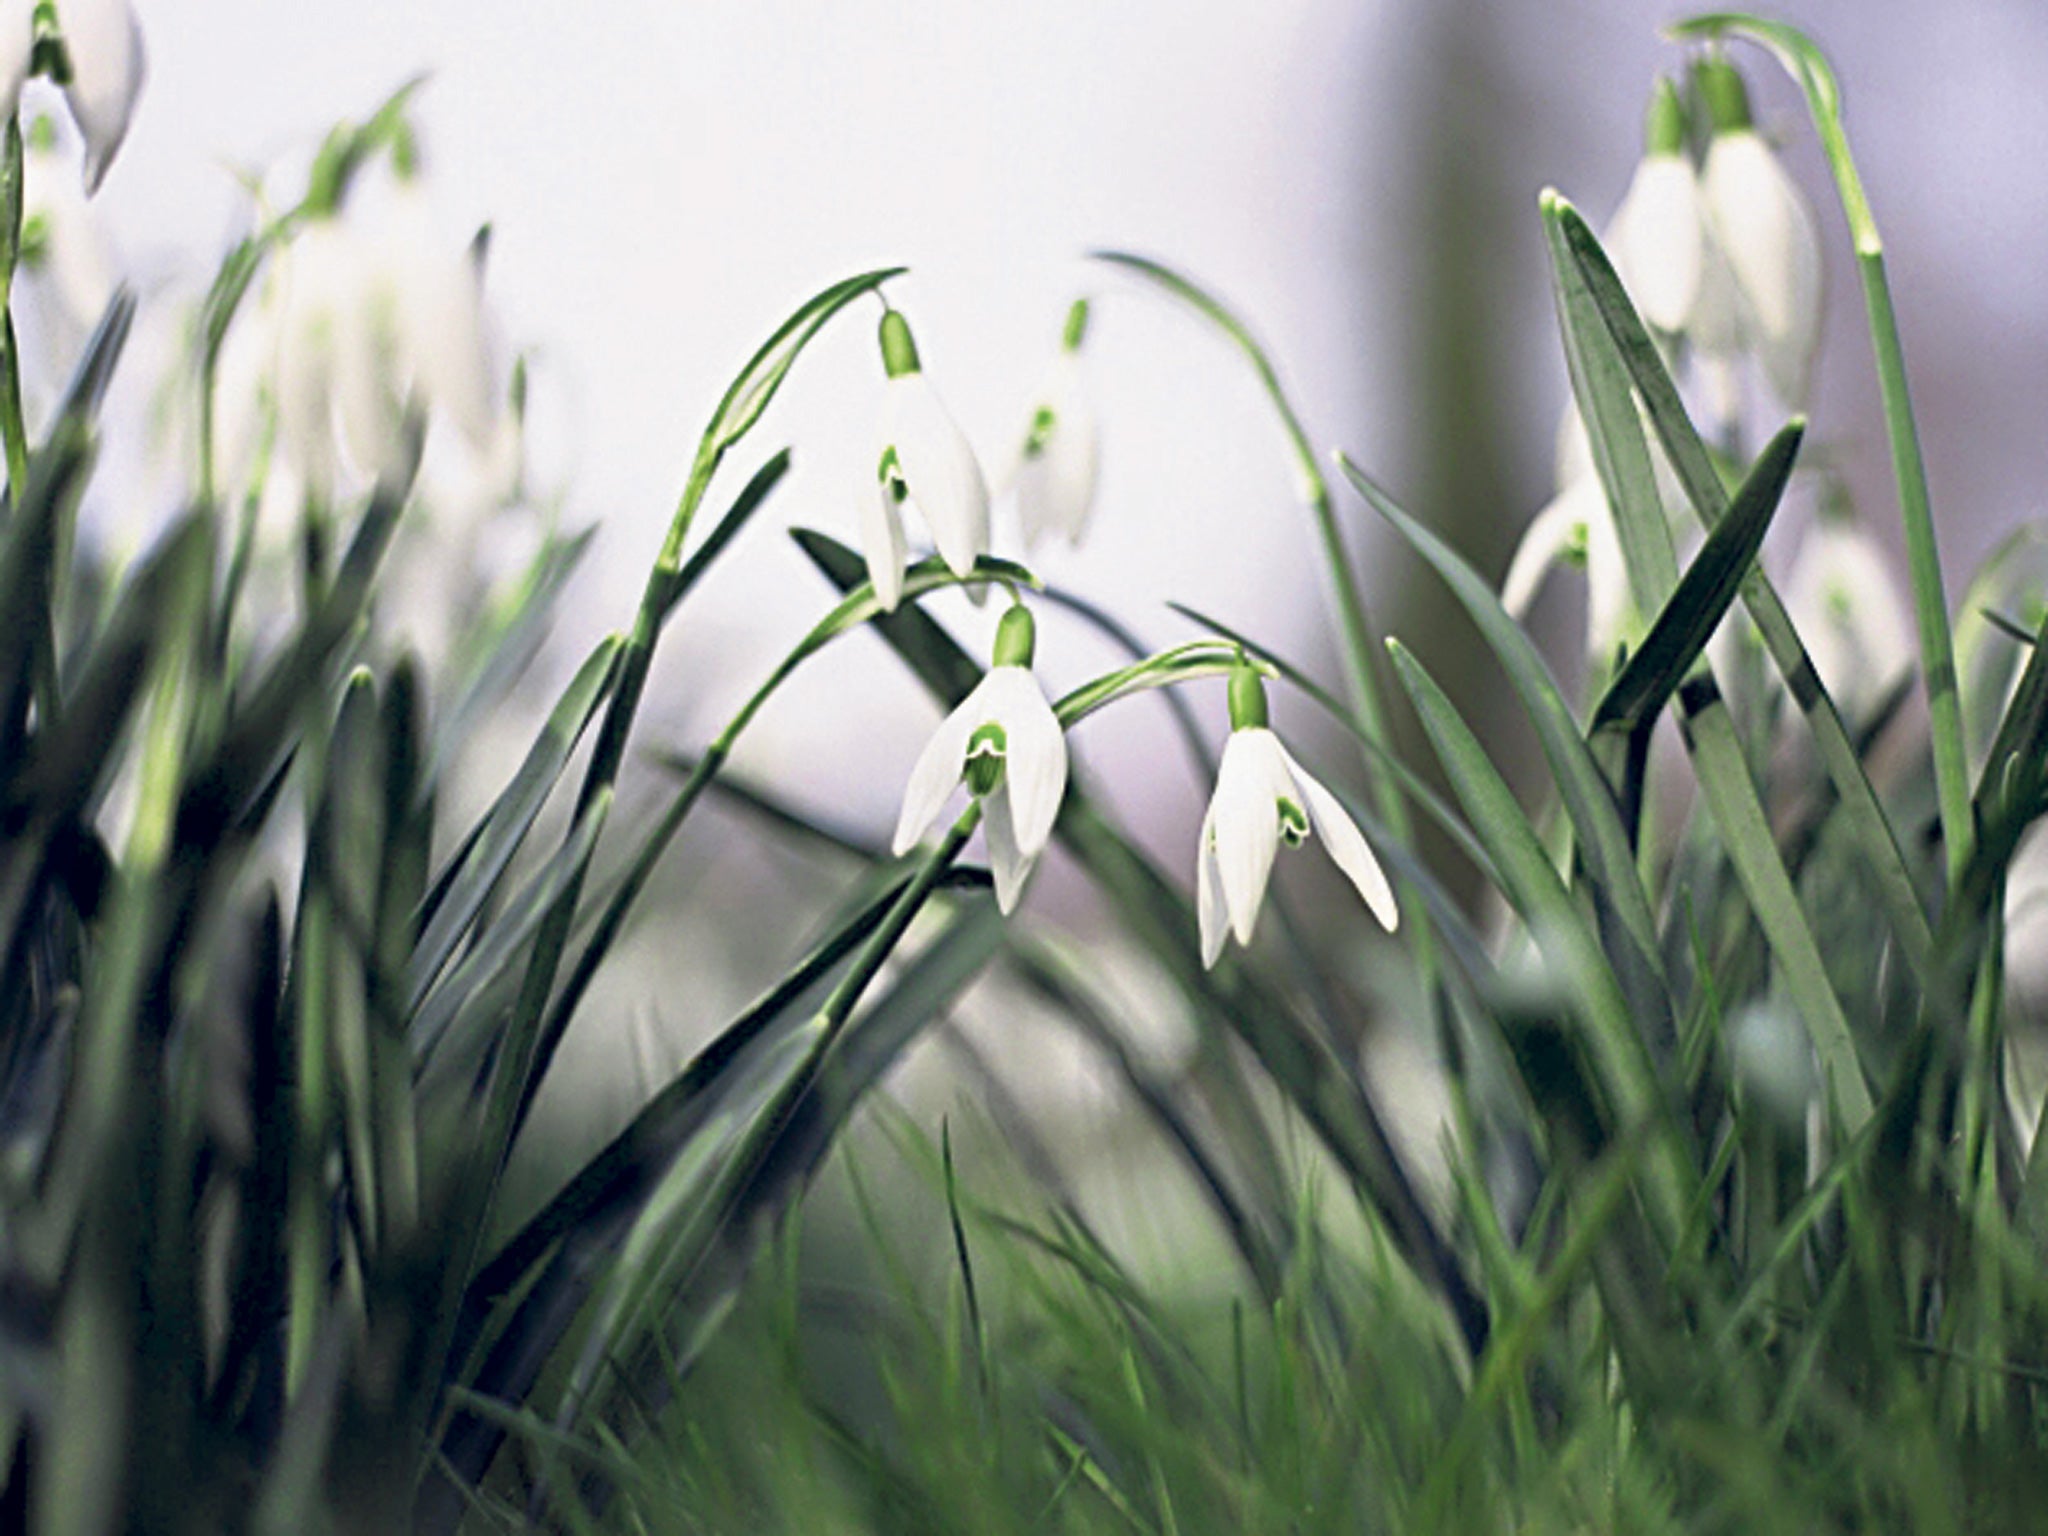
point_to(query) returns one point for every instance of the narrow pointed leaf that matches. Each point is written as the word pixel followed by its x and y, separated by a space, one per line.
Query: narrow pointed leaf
pixel 1709 585
pixel 1588 799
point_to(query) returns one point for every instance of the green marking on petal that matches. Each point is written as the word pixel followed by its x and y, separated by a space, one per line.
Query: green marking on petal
pixel 1043 420
pixel 35 239
pixel 890 473
pixel 1293 823
pixel 983 769
pixel 1577 546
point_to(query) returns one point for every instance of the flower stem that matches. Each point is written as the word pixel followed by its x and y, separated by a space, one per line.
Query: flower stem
pixel 13 432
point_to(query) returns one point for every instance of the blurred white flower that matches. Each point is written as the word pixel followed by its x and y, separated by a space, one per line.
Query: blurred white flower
pixel 103 41
pixel 1763 228
pixel 1005 743
pixel 1056 467
pixel 1263 796
pixel 1762 223
pixel 368 314
pixel 1843 599
pixel 64 243
pixel 1656 238
pixel 1575 525
pixel 923 461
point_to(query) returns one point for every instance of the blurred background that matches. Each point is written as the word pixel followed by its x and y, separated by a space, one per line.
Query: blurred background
pixel 666 181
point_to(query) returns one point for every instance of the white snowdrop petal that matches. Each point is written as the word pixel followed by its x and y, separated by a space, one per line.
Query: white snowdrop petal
pixel 1073 463
pixel 1212 910
pixel 881 537
pixel 941 471
pixel 240 381
pixel 1655 239
pixel 1031 481
pixel 1247 822
pixel 1549 534
pixel 1007 861
pixel 77 260
pixel 1056 485
pixel 1035 758
pixel 439 296
pixel 1347 847
pixel 1763 224
pixel 104 41
pixel 937 771
pixel 368 377
pixel 1845 603
pixel 1609 603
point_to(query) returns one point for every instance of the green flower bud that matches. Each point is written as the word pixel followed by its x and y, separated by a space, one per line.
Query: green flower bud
pixel 899 352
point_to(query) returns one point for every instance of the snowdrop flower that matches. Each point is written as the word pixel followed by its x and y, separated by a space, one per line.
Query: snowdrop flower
pixel 370 314
pixel 1005 743
pixel 1845 603
pixel 1263 796
pixel 923 461
pixel 1764 230
pixel 1656 237
pixel 101 70
pixel 1056 466
pixel 1576 525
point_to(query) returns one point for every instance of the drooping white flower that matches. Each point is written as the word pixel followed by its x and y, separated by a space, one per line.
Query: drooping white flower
pixel 1056 468
pixel 1656 237
pixel 1762 225
pixel 1845 603
pixel 1575 525
pixel 371 312
pixel 925 462
pixel 331 383
pixel 1005 744
pixel 103 42
pixel 1264 797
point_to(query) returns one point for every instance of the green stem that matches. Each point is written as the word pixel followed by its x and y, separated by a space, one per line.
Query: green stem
pixel 13 432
